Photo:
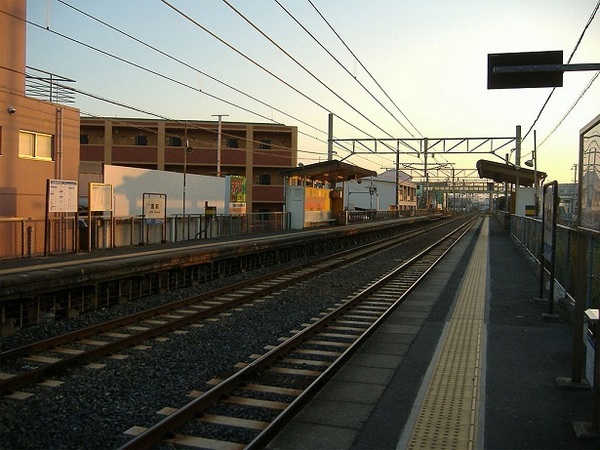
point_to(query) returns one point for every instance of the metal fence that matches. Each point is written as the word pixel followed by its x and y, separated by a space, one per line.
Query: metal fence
pixel 25 237
pixel 30 237
pixel 21 238
pixel 527 231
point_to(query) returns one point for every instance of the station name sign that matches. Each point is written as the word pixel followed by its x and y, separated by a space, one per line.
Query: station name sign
pixel 525 70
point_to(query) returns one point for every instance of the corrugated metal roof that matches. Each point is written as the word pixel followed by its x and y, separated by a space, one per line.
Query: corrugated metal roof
pixel 507 173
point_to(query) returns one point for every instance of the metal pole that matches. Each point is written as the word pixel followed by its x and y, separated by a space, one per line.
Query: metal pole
pixel 506 208
pixel 517 165
pixel 330 138
pixel 397 175
pixel 453 192
pixel 535 180
pixel 185 152
pixel 220 116
pixel 426 190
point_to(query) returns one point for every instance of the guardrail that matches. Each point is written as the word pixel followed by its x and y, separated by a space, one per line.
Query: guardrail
pixel 527 231
pixel 20 238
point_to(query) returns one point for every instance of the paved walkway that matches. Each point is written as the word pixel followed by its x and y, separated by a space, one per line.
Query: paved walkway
pixel 493 387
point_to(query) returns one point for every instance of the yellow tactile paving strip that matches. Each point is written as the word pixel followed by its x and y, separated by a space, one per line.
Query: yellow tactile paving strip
pixel 449 414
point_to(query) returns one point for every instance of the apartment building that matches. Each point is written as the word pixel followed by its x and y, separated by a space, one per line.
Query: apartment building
pixel 256 151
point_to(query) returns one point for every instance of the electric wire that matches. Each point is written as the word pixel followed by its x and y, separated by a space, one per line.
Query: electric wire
pixel 338 145
pixel 341 65
pixel 157 115
pixel 175 81
pixel 146 69
pixel 303 67
pixel 189 66
pixel 569 60
pixel 364 68
pixel 138 66
pixel 254 62
pixel 570 109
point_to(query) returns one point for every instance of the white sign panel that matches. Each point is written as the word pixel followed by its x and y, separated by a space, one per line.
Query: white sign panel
pixel 101 196
pixel 154 206
pixel 62 196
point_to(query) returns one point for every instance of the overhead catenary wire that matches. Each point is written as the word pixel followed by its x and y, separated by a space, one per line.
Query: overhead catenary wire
pixel 570 109
pixel 190 124
pixel 138 66
pixel 342 66
pixel 254 62
pixel 189 66
pixel 587 25
pixel 364 68
pixel 124 60
pixel 303 67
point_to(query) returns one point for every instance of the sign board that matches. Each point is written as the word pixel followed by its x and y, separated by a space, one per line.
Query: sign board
pixel 235 201
pixel 549 220
pixel 154 206
pixel 589 176
pixel 101 197
pixel 62 196
pixel 527 78
pixel 548 256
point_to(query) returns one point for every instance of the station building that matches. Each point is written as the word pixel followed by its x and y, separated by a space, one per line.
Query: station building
pixel 255 151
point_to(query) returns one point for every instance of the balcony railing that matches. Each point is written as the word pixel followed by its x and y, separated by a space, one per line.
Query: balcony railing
pixel 48 86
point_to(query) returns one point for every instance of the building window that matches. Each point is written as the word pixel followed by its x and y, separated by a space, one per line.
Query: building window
pixel 35 145
pixel 265 144
pixel 264 179
pixel 233 143
pixel 174 141
pixel 141 140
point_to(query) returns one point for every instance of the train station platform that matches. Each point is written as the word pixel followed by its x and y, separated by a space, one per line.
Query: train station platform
pixel 466 362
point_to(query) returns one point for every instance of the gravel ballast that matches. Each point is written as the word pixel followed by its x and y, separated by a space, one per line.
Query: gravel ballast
pixel 94 407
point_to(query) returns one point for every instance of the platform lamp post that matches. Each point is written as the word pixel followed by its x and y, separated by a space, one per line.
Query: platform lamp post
pixel 533 163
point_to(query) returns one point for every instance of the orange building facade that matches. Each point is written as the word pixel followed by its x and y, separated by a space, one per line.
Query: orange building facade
pixel 38 140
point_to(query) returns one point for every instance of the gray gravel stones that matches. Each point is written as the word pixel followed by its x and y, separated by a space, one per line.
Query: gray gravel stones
pixel 94 407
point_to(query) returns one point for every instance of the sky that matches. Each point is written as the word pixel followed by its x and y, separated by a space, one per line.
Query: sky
pixel 385 69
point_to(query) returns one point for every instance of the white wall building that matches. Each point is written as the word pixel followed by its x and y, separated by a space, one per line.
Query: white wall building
pixel 378 193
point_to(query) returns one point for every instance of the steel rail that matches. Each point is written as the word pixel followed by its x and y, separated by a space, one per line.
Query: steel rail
pixel 26 378
pixel 276 425
pixel 168 426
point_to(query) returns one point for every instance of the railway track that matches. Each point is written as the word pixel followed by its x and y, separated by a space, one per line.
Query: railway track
pixel 247 408
pixel 23 366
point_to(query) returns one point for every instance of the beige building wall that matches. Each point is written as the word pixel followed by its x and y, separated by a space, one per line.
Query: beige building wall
pixel 23 176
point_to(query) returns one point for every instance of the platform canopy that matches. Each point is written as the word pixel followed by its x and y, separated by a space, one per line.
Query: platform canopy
pixel 331 171
pixel 507 173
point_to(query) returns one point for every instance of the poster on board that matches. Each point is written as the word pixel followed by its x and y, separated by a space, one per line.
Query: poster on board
pixel 589 176
pixel 62 196
pixel 100 197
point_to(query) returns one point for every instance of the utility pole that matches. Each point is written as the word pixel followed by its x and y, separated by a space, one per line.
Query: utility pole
pixel 397 176
pixel 220 116
pixel 330 138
